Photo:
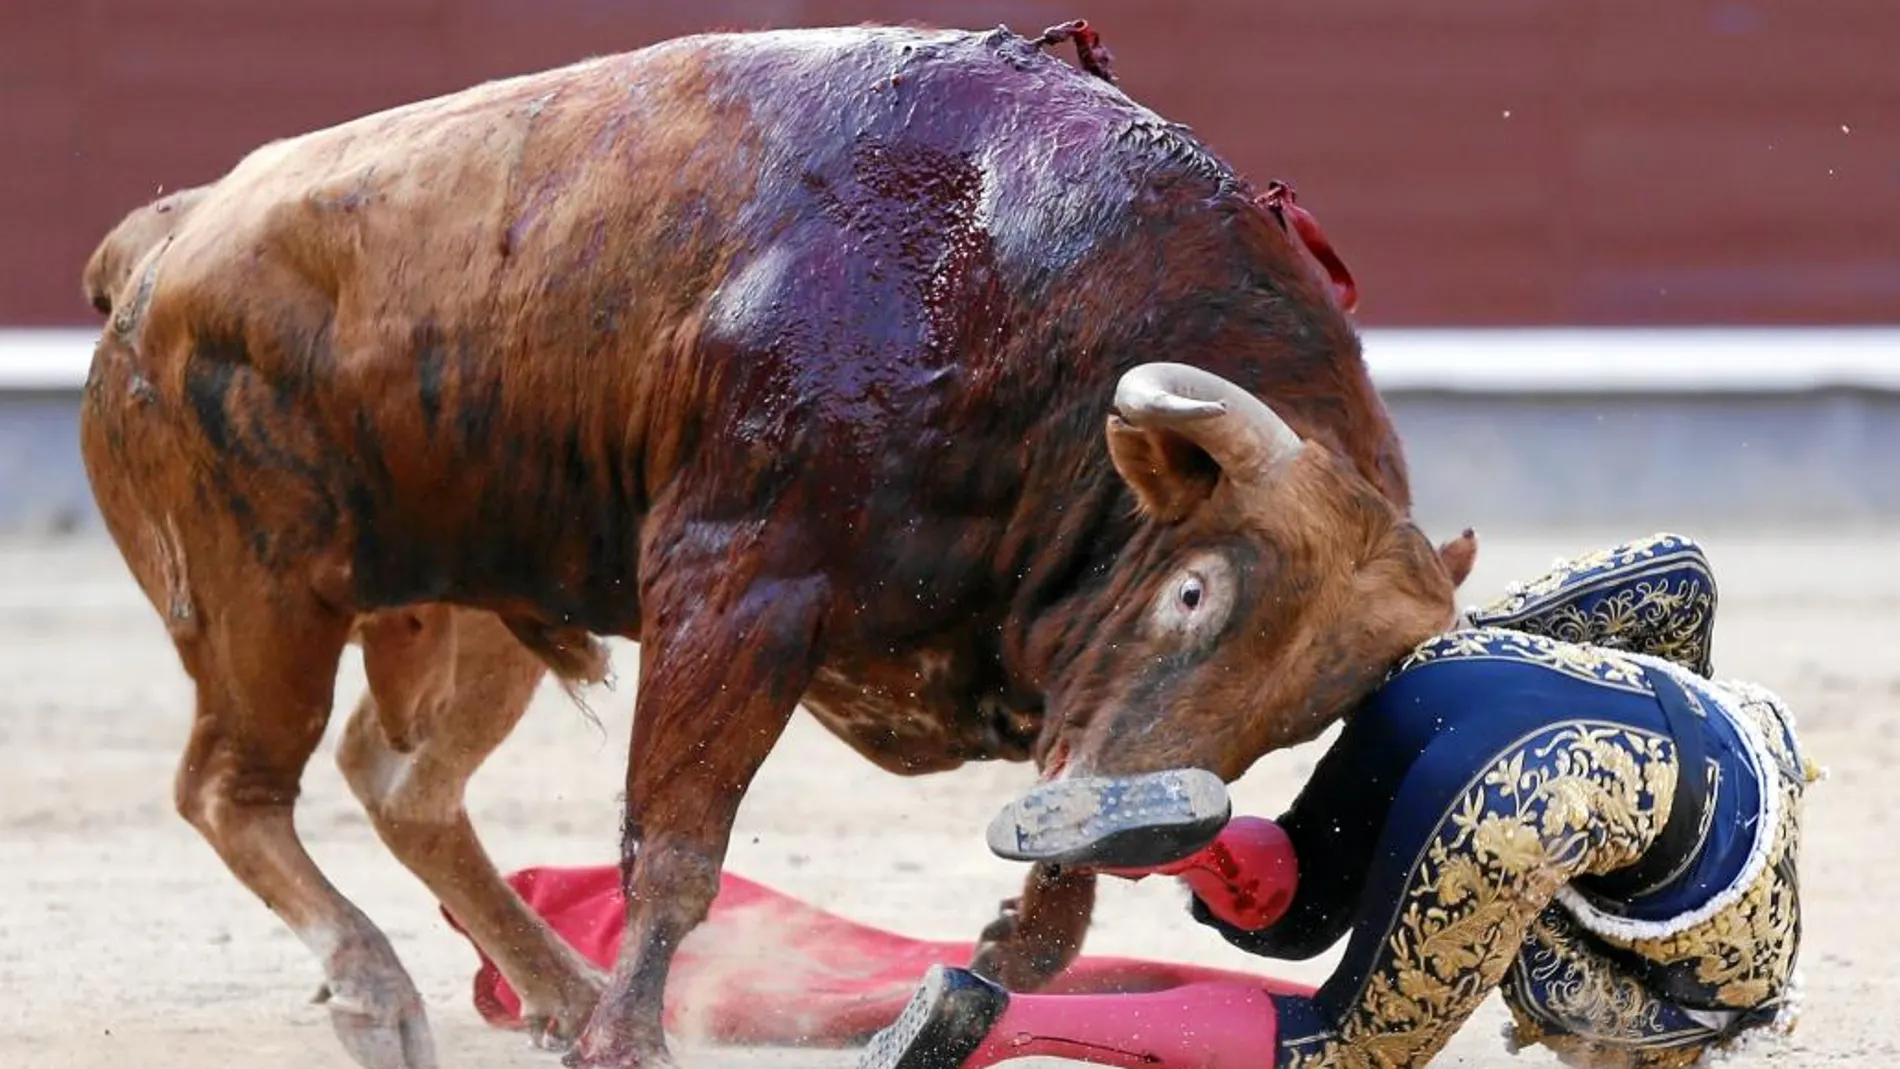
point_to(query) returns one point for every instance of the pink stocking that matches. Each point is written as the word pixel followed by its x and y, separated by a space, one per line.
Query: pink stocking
pixel 1206 1025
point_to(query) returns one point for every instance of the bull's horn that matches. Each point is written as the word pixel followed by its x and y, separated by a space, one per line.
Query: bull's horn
pixel 1247 436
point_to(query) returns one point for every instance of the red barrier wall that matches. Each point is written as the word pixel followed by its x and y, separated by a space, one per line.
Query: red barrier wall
pixel 1477 162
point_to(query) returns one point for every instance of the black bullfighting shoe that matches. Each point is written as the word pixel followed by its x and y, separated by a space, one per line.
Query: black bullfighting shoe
pixel 1113 822
pixel 946 1022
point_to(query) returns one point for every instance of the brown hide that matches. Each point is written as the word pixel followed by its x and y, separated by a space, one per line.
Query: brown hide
pixel 784 354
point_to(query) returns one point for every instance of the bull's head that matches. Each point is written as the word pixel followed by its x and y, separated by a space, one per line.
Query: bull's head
pixel 1270 591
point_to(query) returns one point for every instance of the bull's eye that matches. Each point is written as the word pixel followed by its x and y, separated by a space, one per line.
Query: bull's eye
pixel 1196 601
pixel 1191 593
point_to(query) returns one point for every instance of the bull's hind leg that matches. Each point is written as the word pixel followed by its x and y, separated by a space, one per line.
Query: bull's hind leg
pixel 719 678
pixel 265 669
pixel 446 687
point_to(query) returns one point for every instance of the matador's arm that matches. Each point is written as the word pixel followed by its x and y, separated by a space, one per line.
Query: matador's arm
pixel 1334 828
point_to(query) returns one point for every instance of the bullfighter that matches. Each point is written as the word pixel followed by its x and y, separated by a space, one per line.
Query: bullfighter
pixel 1555 799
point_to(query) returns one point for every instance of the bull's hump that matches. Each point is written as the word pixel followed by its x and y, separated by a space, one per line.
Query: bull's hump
pixel 1062 158
pixel 956 89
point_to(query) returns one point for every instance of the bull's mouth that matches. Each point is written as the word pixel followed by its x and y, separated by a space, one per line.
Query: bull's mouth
pixel 1001 732
pixel 1056 762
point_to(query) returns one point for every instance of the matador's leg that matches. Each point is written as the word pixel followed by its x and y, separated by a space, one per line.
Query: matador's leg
pixel 1653 595
pixel 959 1019
pixel 1481 835
pixel 1566 993
pixel 1173 823
pixel 1700 968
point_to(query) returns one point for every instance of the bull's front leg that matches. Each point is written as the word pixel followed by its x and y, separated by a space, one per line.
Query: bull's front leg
pixel 720 673
pixel 1036 936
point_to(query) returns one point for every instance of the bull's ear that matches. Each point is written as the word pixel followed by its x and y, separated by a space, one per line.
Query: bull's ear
pixel 1169 474
pixel 1459 555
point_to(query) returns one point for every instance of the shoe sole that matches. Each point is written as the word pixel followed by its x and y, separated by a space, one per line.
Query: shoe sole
pixel 1113 821
pixel 945 1022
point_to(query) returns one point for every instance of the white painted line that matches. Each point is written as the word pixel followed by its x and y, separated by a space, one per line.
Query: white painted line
pixel 1676 360
pixel 1502 360
pixel 45 358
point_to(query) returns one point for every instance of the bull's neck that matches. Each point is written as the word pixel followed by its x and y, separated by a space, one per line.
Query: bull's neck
pixel 1080 530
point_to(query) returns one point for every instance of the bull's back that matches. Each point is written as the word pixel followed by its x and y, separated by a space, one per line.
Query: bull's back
pixel 501 324
pixel 430 329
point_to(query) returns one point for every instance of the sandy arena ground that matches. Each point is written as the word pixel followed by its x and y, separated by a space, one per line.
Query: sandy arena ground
pixel 124 942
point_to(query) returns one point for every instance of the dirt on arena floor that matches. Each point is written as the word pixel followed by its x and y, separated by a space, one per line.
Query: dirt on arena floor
pixel 123 941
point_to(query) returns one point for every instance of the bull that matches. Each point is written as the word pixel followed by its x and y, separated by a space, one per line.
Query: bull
pixel 913 376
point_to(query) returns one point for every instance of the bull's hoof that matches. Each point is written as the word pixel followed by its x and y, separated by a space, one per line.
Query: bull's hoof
pixel 380 1021
pixel 622 1060
pixel 947 1020
pixel 610 1048
pixel 555 1023
pixel 1118 822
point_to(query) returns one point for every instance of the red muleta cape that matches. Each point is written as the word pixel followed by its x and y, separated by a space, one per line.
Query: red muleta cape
pixel 766 969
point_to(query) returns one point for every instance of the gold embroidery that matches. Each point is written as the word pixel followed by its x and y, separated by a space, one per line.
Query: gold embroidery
pixel 1587 663
pixel 1653 595
pixel 1637 550
pixel 1568 799
pixel 1563 994
pixel 1745 953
